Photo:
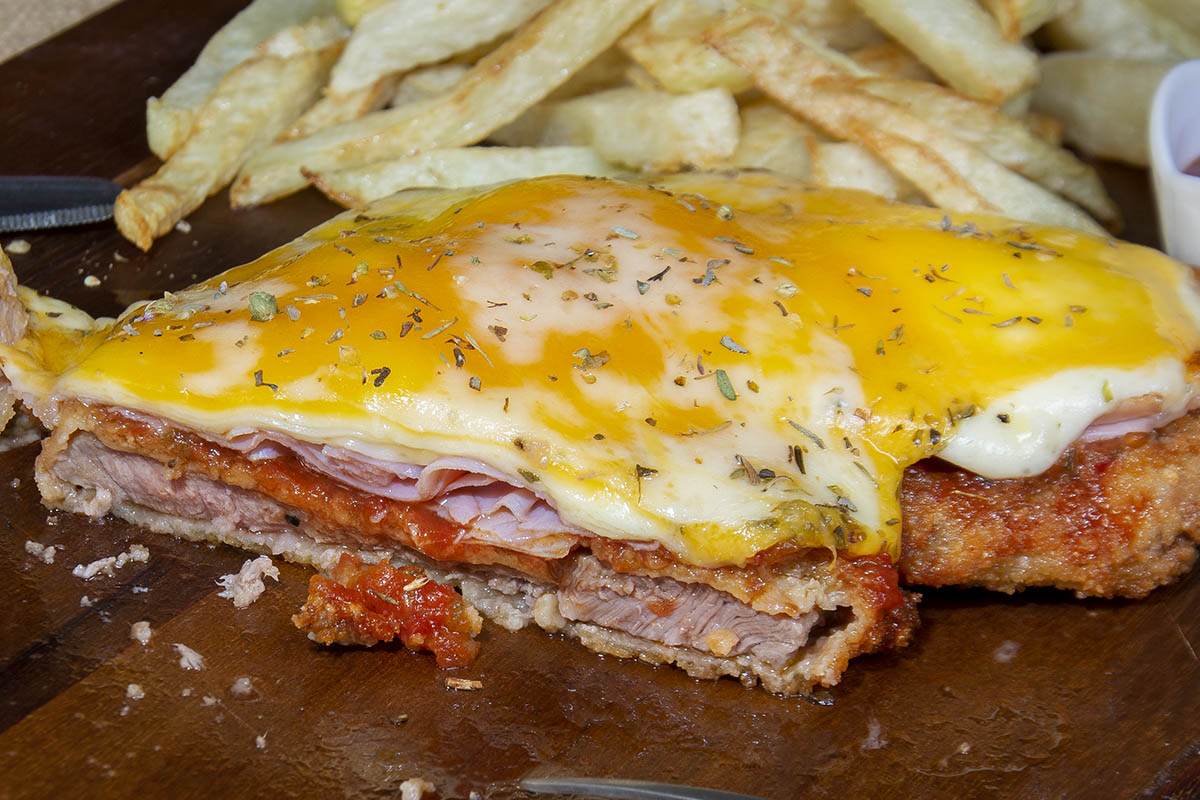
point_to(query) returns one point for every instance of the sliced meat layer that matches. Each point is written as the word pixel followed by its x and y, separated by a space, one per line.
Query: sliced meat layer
pixel 680 614
pixel 791 620
pixel 1116 517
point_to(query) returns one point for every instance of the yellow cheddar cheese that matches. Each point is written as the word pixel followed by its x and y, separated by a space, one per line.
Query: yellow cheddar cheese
pixel 714 363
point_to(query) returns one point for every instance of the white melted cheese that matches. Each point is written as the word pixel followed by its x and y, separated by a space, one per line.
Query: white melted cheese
pixel 736 364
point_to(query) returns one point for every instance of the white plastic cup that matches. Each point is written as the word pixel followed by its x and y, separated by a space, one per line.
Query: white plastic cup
pixel 1175 144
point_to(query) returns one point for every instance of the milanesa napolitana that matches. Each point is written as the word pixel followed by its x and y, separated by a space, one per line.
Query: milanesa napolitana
pixel 717 420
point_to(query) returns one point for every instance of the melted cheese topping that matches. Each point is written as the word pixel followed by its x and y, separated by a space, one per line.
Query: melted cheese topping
pixel 716 364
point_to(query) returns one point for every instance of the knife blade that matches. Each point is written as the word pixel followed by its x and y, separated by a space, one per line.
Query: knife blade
pixel 621 789
pixel 33 202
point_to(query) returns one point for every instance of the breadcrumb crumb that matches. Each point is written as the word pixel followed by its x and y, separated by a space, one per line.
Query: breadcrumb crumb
pixel 415 789
pixel 46 554
pixel 108 566
pixel 140 632
pixel 189 658
pixel 18 247
pixel 246 585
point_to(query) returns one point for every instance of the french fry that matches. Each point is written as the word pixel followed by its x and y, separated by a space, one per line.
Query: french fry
pixel 333 109
pixel 637 128
pixel 682 63
pixel 1045 127
pixel 169 118
pixel 352 11
pixel 846 165
pixel 836 23
pixel 950 173
pixel 455 168
pixel 1103 102
pixel 960 42
pixel 891 60
pixel 774 139
pixel 1019 18
pixel 402 34
pixel 251 104
pixel 514 77
pixel 1002 138
pixel 666 44
pixel 428 82
pixel 608 70
pixel 1123 28
pixel 1182 12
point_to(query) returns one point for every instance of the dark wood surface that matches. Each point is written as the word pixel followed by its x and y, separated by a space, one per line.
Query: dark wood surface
pixel 1037 695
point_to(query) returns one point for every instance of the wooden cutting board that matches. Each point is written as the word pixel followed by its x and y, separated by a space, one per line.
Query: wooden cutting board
pixel 1037 695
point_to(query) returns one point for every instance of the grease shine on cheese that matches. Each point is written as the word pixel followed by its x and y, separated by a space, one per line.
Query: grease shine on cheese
pixel 717 364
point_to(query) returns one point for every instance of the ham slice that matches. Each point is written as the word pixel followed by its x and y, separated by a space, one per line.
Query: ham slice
pixel 465 491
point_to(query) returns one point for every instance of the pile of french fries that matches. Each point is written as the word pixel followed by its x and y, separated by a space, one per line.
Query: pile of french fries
pixel 960 104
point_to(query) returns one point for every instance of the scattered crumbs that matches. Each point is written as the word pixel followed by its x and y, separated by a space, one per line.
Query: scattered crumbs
pixel 140 632
pixel 86 602
pixel 18 247
pixel 260 741
pixel 108 566
pixel 246 585
pixel 15 483
pixel 1006 652
pixel 99 566
pixel 190 659
pixel 134 691
pixel 91 281
pixel 139 589
pixel 874 740
pixel 463 684
pixel 183 226
pixel 187 692
pixel 415 789
pixel 46 554
pixel 242 685
pixel 208 699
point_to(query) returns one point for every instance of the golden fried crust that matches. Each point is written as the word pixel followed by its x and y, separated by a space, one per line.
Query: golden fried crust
pixel 1111 518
